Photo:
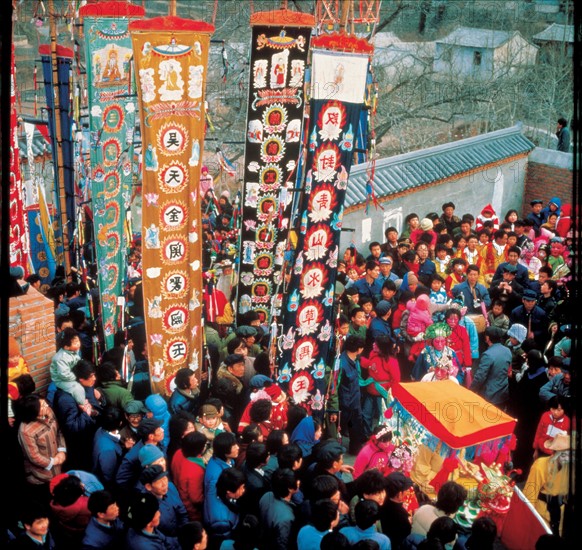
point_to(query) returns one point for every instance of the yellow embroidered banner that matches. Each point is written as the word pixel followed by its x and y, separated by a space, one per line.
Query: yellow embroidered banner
pixel 171 57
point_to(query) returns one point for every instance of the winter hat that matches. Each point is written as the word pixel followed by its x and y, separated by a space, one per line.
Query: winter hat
pixel 488 210
pixel 13 347
pixel 225 194
pixel 246 331
pixel 426 224
pixel 274 392
pixel 135 407
pixel 143 510
pixel 382 308
pixel 148 426
pixel 149 454
pixel 412 279
pixel 208 410
pixel 151 474
pixel 517 331
pixel 259 381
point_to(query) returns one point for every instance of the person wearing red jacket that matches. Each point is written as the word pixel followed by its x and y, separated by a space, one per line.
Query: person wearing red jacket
pixel 459 341
pixel 188 470
pixel 551 423
pixel 383 372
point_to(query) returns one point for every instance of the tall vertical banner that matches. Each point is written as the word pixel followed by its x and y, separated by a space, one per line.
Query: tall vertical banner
pixel 171 58
pixel 64 63
pixel 338 85
pixel 279 48
pixel 108 54
pixel 18 236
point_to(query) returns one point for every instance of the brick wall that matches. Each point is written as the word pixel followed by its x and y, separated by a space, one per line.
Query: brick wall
pixel 32 323
pixel 548 174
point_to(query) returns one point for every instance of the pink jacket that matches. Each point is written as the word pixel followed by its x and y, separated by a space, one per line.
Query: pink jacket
pixel 419 317
pixel 372 456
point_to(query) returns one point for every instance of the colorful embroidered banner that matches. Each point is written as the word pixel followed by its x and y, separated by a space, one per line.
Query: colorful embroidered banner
pixel 108 54
pixel 280 43
pixel 338 83
pixel 171 57
pixel 64 63
pixel 40 221
pixel 18 235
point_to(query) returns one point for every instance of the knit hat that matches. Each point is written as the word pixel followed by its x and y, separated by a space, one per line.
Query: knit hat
pixel 142 510
pixel 13 347
pixel 152 473
pixel 412 279
pixel 259 381
pixel 426 224
pixel 148 454
pixel 517 331
pixel 382 308
pixel 274 392
pixel 245 331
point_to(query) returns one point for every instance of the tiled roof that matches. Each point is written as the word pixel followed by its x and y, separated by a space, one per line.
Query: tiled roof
pixel 417 168
pixel 556 33
pixel 476 38
pixel 39 145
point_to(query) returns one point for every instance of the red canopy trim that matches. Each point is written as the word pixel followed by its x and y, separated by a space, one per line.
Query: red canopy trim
pixel 342 42
pixel 171 23
pixel 113 8
pixel 45 49
pixel 430 417
pixel 283 18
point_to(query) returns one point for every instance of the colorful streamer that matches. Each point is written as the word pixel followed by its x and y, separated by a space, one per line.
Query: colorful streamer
pixel 338 85
pixel 280 44
pixel 108 57
pixel 171 57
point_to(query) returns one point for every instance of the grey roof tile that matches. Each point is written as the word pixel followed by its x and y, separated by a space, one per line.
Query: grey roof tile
pixel 417 168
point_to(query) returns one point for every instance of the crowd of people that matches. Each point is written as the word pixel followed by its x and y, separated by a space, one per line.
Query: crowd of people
pixel 227 461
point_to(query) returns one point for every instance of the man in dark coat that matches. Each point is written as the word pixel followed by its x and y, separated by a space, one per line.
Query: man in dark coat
pixel 532 317
pixel 77 426
pixel 491 379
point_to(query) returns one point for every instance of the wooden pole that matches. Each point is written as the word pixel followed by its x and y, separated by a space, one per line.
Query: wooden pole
pixel 172 8
pixel 345 8
pixel 59 138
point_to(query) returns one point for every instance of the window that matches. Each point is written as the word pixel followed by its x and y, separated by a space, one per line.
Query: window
pixel 476 58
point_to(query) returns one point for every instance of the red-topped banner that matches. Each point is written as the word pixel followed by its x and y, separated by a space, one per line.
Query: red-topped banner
pixel 45 49
pixel 114 8
pixel 282 18
pixel 171 60
pixel 171 23
pixel 342 42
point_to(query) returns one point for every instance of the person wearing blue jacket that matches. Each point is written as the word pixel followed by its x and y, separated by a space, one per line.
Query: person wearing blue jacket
pixel 490 379
pixel 224 451
pixel 221 513
pixel 77 426
pixel 186 396
pixel 105 531
pixel 144 517
pixel 157 405
pixel 107 451
pixel 172 510
pixel 555 205
pixel 150 432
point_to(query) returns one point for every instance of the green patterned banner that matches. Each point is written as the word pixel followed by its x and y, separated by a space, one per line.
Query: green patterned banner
pixel 112 121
